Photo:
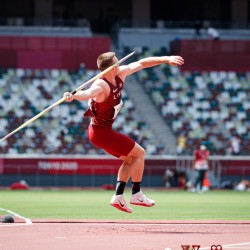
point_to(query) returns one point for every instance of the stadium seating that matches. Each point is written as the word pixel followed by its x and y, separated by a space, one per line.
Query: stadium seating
pixel 205 106
pixel 63 130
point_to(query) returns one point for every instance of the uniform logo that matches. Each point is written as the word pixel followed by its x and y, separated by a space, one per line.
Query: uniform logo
pixel 122 205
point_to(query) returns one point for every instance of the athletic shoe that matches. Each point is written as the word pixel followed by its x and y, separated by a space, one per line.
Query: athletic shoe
pixel 119 202
pixel 140 199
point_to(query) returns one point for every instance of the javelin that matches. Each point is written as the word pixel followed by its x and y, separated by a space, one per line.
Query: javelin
pixel 64 98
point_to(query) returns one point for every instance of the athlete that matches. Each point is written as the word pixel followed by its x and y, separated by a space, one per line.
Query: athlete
pixel 201 166
pixel 105 101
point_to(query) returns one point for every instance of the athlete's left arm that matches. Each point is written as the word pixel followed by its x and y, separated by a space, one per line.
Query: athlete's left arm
pixel 97 88
pixel 150 62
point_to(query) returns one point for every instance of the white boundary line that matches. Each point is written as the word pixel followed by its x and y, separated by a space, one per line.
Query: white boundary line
pixel 27 220
pixel 12 224
pixel 229 246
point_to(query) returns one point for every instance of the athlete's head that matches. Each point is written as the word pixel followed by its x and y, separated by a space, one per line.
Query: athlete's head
pixel 105 60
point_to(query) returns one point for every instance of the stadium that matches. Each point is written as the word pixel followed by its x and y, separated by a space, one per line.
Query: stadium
pixel 185 109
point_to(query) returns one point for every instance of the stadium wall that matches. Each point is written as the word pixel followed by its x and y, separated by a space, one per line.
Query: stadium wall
pixel 36 52
pixel 217 55
pixel 97 171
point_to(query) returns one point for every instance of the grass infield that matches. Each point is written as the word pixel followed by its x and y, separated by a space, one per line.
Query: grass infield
pixel 94 204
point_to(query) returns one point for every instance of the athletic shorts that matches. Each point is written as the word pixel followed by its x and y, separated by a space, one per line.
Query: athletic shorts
pixel 111 141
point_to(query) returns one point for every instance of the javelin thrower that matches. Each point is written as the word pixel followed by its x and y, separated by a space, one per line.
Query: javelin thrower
pixel 105 102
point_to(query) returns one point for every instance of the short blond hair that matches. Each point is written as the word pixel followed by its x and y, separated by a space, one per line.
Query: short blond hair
pixel 105 60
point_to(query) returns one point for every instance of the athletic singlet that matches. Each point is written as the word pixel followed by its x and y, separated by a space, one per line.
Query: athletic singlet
pixel 201 157
pixel 104 113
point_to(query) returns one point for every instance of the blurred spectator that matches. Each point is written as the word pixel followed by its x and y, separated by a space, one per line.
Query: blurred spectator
pixel 234 145
pixel 213 33
pixel 181 180
pixel 201 166
pixel 168 178
pixel 181 144
pixel 244 185
pixel 82 69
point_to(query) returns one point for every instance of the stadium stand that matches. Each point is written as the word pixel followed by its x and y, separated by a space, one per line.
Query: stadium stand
pixel 207 106
pixel 63 129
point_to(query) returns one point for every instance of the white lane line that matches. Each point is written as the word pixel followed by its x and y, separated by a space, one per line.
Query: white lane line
pixel 12 224
pixel 27 220
pixel 236 246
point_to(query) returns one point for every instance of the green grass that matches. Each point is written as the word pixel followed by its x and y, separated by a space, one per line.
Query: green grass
pixel 171 205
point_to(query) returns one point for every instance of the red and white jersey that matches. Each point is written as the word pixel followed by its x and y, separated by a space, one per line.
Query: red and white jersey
pixel 200 158
pixel 104 113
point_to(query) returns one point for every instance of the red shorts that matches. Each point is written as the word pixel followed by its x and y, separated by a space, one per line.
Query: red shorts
pixel 111 141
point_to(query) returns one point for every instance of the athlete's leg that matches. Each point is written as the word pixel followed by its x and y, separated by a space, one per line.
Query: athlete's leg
pixel 203 172
pixel 133 165
pixel 133 156
pixel 123 176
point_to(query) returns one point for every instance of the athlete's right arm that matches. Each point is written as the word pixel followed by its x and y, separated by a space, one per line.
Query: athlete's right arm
pixel 126 70
pixel 95 90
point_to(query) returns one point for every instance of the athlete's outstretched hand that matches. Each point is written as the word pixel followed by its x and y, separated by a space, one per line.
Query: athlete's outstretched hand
pixel 175 60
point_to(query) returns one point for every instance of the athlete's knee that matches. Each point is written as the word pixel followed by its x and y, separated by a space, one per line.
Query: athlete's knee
pixel 138 151
pixel 141 152
pixel 135 153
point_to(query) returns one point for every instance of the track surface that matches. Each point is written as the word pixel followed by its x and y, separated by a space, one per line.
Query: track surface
pixel 129 235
